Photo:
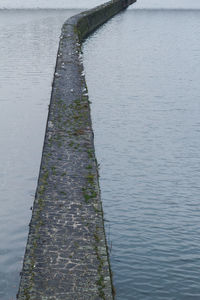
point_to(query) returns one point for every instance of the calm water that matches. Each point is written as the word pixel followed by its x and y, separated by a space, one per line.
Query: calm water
pixel 57 4
pixel 29 42
pixel 143 76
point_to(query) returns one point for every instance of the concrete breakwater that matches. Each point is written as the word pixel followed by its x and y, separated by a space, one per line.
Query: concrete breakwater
pixel 66 255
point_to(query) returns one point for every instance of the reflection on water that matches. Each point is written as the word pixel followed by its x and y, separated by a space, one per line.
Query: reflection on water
pixel 143 73
pixel 29 42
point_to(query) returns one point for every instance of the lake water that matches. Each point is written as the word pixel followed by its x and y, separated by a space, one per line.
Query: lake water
pixel 29 42
pixel 144 86
pixel 56 4
pixel 142 70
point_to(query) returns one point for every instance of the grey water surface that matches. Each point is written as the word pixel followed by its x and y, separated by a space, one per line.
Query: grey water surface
pixel 49 4
pixel 28 49
pixel 143 71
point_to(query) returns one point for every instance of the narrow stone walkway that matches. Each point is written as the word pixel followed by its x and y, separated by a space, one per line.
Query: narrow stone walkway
pixel 66 255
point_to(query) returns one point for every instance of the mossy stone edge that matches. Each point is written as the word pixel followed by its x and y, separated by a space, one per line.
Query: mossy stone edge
pixel 66 254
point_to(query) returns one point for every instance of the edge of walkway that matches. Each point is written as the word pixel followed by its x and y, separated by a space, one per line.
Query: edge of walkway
pixel 66 254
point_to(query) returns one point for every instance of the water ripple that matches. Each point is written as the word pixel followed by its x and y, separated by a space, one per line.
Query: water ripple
pixel 29 41
pixel 147 133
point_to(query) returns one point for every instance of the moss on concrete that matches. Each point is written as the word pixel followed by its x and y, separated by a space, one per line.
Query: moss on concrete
pixel 67 255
